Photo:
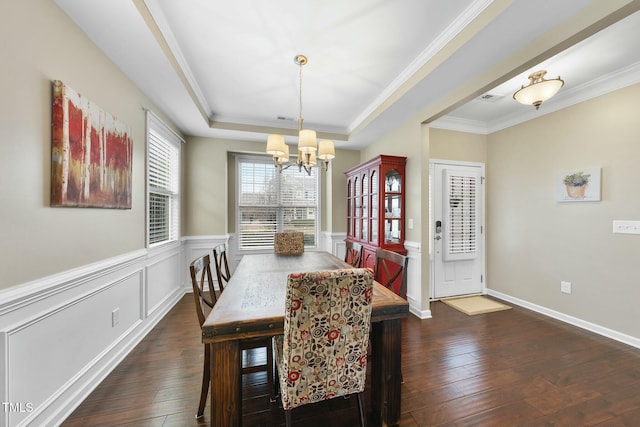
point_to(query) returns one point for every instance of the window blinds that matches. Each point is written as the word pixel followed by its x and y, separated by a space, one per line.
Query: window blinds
pixel 269 201
pixel 163 182
pixel 461 215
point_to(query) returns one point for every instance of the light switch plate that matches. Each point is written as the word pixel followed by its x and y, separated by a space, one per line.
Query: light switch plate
pixel 626 227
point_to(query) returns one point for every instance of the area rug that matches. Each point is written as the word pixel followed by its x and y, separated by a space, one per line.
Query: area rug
pixel 476 304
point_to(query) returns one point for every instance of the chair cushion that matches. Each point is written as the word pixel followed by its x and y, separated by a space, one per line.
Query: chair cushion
pixel 289 243
pixel 323 353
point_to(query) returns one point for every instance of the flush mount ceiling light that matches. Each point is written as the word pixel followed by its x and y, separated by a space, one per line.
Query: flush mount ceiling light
pixel 307 141
pixel 538 90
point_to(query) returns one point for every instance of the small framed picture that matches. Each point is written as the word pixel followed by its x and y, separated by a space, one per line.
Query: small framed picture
pixel 578 185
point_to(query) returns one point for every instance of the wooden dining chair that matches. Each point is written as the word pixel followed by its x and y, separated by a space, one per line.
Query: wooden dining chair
pixel 353 253
pixel 391 271
pixel 224 275
pixel 323 352
pixel 200 270
pixel 288 243
pixel 222 265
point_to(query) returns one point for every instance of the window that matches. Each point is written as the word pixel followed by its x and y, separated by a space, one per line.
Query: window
pixel 269 201
pixel 163 182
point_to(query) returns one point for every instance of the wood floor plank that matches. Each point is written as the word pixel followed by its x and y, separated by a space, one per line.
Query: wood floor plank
pixel 508 368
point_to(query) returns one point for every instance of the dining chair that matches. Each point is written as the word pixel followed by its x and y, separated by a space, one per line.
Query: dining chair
pixel 222 265
pixel 200 270
pixel 288 243
pixel 391 271
pixel 353 253
pixel 323 352
pixel 224 275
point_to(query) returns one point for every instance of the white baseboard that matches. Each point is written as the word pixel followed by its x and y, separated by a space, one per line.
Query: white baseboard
pixel 592 327
pixel 421 314
pixel 81 386
pixel 57 340
pixel 57 337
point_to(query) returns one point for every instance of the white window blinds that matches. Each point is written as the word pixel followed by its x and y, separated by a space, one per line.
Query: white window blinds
pixel 461 215
pixel 163 182
pixel 269 201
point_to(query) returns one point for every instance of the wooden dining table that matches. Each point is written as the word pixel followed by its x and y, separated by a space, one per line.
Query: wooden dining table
pixel 252 305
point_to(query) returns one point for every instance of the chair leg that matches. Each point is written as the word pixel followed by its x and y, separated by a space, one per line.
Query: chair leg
pixel 270 368
pixel 361 408
pixel 206 378
pixel 287 417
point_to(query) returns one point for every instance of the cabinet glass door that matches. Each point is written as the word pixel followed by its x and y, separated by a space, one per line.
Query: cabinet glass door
pixel 393 207
pixel 365 207
pixel 358 209
pixel 393 182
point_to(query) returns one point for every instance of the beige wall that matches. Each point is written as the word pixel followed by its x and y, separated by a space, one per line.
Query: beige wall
pixel 459 146
pixel 207 206
pixel 405 140
pixel 411 139
pixel 535 242
pixel 40 44
pixel 335 205
pixel 209 181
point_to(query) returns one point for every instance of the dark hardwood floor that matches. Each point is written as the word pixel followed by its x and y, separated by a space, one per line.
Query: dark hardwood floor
pixel 508 368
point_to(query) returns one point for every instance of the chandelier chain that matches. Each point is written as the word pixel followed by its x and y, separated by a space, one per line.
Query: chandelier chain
pixel 300 112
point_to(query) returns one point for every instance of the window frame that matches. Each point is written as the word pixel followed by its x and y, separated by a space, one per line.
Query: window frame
pixel 157 130
pixel 268 160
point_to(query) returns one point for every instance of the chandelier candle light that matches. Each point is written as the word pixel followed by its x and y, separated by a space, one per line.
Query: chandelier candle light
pixel 308 143
pixel 538 90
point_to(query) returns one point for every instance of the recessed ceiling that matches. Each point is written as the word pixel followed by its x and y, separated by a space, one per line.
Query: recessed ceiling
pixel 226 70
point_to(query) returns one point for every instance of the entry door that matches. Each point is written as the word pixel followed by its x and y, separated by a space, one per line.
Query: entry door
pixel 457 229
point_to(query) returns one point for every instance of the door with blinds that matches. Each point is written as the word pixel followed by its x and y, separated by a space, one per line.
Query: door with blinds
pixel 457 230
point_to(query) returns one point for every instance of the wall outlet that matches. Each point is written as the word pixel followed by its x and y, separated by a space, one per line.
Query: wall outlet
pixel 565 287
pixel 115 316
pixel 626 227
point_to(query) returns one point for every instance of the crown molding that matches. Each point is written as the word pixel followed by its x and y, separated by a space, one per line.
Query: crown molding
pixel 461 22
pixel 619 79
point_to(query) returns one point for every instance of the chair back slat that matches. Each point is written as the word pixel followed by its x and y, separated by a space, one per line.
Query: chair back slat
pixel 222 265
pixel 200 270
pixel 353 253
pixel 391 271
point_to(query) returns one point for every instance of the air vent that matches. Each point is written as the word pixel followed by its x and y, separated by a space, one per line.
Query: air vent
pixel 285 118
pixel 489 97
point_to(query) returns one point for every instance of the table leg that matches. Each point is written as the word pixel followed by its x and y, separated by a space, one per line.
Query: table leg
pixel 226 384
pixel 386 371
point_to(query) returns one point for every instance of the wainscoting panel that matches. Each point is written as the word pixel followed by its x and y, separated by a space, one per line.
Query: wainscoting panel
pixel 54 346
pixel 194 247
pixel 163 278
pixel 59 336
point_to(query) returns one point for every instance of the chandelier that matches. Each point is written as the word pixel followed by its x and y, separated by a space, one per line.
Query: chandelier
pixel 538 89
pixel 308 143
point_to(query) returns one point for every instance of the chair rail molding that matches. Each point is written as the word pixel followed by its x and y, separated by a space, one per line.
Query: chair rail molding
pixel 59 337
pixel 197 246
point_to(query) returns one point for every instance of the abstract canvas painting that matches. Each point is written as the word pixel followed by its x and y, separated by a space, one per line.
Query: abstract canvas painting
pixel 91 154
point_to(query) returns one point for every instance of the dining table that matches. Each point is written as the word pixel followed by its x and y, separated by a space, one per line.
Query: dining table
pixel 253 305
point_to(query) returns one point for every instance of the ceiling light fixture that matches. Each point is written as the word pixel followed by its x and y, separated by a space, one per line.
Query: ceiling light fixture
pixel 308 144
pixel 538 90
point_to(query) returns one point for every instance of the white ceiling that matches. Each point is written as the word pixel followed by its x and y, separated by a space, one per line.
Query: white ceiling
pixel 225 68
